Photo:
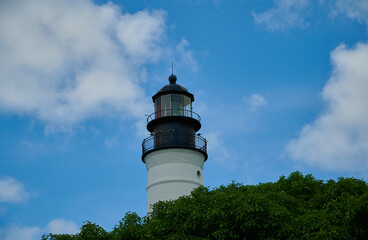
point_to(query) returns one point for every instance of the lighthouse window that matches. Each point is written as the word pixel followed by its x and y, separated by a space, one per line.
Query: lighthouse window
pixel 187 106
pixel 158 107
pixel 177 104
pixel 166 105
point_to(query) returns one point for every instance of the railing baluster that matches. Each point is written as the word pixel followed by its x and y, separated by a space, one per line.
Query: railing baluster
pixel 159 141
pixel 169 112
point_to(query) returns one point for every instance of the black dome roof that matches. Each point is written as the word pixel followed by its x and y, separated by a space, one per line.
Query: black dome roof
pixel 172 87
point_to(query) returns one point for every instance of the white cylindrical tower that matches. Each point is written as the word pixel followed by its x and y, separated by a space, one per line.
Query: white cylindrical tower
pixel 174 153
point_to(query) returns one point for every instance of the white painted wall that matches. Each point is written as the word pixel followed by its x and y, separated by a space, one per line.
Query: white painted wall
pixel 172 173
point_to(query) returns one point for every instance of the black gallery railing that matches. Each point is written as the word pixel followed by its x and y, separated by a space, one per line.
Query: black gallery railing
pixel 171 140
pixel 173 112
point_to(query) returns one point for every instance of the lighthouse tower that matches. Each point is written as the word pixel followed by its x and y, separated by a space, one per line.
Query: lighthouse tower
pixel 174 153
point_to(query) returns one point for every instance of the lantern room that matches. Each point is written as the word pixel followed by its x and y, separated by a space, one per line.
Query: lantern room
pixel 173 105
pixel 173 123
pixel 173 100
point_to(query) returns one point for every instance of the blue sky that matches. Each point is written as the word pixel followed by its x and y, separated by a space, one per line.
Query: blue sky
pixel 281 86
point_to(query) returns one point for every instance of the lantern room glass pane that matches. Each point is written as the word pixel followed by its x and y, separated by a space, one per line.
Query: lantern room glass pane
pixel 187 106
pixel 177 104
pixel 165 105
pixel 158 112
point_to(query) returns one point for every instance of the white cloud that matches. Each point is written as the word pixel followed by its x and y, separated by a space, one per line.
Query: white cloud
pixel 286 14
pixel 255 101
pixel 217 3
pixel 65 61
pixel 356 9
pixel 60 226
pixel 293 13
pixel 185 57
pixel 12 191
pixel 56 226
pixel 142 33
pixel 111 142
pixel 23 233
pixel 338 139
pixel 140 126
pixel 218 151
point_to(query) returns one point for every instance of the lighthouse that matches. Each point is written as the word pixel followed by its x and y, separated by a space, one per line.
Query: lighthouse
pixel 175 152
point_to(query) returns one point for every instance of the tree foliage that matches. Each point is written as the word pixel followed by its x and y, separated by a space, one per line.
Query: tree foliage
pixel 294 207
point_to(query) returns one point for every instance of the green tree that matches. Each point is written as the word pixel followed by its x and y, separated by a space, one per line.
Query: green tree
pixel 89 231
pixel 294 207
pixel 130 227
